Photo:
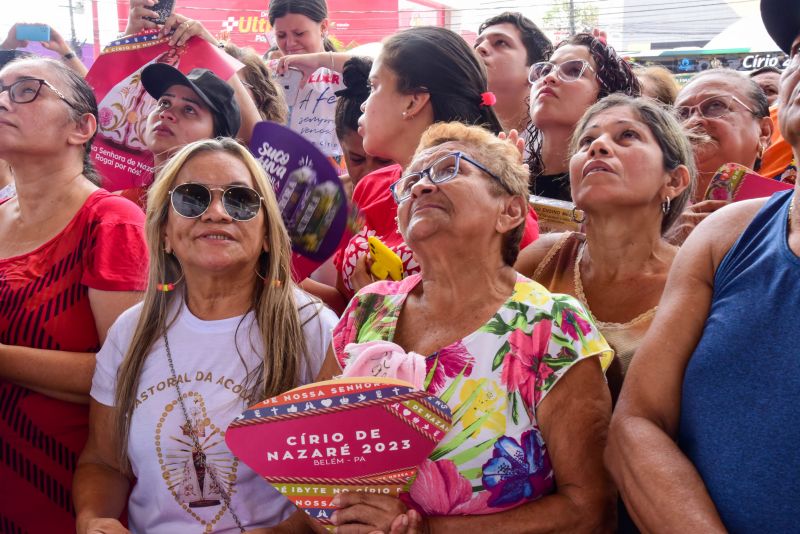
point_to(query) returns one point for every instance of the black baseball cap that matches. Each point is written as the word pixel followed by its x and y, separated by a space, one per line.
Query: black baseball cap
pixel 212 90
pixel 782 21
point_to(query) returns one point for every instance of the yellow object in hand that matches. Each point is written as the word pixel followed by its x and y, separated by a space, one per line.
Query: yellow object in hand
pixel 385 263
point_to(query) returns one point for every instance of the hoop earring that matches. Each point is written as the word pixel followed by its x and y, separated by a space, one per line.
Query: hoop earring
pixel 759 156
pixel 166 287
pixel 574 215
pixel 665 206
pixel 272 282
pixel 258 264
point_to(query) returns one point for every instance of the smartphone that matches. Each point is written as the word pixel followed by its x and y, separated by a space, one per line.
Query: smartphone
pixel 385 263
pixel 33 32
pixel 164 9
pixel 290 81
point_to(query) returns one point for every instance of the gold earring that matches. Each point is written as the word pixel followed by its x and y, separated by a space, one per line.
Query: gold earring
pixel 759 156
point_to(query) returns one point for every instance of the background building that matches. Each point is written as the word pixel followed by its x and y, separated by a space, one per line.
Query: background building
pixel 685 35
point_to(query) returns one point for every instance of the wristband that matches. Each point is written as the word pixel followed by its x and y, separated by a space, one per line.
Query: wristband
pixel 68 56
pixel 220 45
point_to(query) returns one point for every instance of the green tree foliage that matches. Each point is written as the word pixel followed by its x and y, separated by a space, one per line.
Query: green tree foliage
pixel 557 18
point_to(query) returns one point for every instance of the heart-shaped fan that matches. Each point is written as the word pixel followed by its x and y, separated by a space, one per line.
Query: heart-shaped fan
pixel 322 439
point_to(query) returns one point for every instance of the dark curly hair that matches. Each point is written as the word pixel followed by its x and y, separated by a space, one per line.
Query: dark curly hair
pixel 614 75
pixel 355 76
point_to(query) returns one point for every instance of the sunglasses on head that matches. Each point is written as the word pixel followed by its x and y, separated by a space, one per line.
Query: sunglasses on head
pixel 191 200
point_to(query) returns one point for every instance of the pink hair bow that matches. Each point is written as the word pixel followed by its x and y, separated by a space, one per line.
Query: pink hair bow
pixel 488 99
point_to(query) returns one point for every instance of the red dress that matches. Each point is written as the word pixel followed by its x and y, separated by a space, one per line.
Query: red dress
pixel 378 210
pixel 44 304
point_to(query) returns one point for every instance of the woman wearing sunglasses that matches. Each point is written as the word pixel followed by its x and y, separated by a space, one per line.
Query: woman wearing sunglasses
pixel 222 326
pixel 519 366
pixel 731 114
pixel 581 71
pixel 72 258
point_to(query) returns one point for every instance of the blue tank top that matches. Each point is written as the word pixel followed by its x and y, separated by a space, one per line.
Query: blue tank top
pixel 740 407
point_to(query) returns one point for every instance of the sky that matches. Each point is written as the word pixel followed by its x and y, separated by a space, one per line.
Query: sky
pixel 52 12
pixel 466 14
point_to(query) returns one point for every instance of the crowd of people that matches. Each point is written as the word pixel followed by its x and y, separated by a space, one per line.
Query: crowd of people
pixel 635 374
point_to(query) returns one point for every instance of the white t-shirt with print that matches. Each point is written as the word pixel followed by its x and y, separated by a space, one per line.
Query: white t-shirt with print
pixel 172 494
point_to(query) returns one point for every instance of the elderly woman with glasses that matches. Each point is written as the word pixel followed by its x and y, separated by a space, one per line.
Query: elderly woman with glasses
pixel 581 71
pixel 423 75
pixel 222 326
pixel 731 115
pixel 520 367
pixel 72 258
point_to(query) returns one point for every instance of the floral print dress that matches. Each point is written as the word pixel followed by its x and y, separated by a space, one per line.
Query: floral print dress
pixel 494 457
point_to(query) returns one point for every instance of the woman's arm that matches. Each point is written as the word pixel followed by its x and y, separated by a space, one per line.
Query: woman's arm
pixel 139 15
pixel 70 59
pixel 330 367
pixel 99 488
pixel 56 44
pixel 690 218
pixel 60 374
pixel 531 256
pixel 309 63
pixel 297 523
pixel 574 420
pixel 56 373
pixel 659 485
pixel 327 294
pixel 247 108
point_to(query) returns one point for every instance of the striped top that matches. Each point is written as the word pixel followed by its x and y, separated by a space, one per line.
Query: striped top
pixel 44 304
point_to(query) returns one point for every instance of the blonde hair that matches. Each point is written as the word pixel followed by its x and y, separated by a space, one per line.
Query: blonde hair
pixel 665 88
pixel 500 157
pixel 274 305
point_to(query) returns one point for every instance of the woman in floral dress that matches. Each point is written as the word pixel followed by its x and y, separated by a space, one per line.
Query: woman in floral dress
pixel 528 436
